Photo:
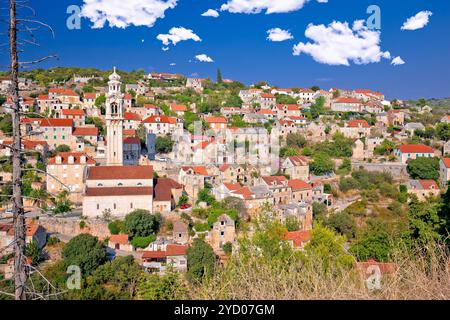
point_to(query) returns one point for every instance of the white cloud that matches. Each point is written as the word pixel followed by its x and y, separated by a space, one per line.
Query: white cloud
pixel 397 61
pixel 165 48
pixel 419 21
pixel 270 6
pixel 277 35
pixel 211 13
pixel 177 34
pixel 173 64
pixel 203 58
pixel 338 44
pixel 121 14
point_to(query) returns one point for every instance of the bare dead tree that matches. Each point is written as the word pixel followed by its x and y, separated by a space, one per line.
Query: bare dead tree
pixel 20 276
pixel 28 26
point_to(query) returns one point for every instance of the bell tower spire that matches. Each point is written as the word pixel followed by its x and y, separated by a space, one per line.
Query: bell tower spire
pixel 114 121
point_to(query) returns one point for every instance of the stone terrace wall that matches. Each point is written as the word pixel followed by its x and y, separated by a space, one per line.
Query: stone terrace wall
pixel 71 226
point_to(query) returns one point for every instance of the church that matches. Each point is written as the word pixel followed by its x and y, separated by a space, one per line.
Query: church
pixel 119 151
pixel 120 186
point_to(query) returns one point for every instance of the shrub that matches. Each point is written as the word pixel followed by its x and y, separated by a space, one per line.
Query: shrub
pixel 228 248
pixel 116 227
pixel 142 242
pixel 140 223
pixel 84 251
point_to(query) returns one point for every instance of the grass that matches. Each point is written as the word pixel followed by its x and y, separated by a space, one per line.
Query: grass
pixel 418 276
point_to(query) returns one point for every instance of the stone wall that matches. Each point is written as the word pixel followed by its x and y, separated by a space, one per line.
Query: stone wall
pixel 71 227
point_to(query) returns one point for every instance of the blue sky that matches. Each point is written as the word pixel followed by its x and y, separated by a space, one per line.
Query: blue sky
pixel 237 42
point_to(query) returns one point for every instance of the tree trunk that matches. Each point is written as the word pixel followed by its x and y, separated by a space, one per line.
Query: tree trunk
pixel 17 201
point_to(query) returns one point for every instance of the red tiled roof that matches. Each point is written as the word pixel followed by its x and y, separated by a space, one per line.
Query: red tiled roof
pixel 43 97
pixel 347 100
pixel 267 96
pixel 298 237
pixel 297 118
pixel 266 111
pixel 245 193
pixel 290 107
pixel 85 131
pixel 77 158
pixel 153 254
pixel 298 160
pixel 27 144
pixel 232 186
pixel 150 106
pixel 178 107
pixel 160 119
pixel 131 116
pixel 119 191
pixel 429 184
pixel 297 184
pixel 63 92
pixel 176 250
pixel 384 267
pixel 73 112
pixel 90 95
pixel 163 189
pixel 216 120
pixel 275 179
pixel 416 148
pixel 120 173
pixel 358 123
pixel 446 162
pixel 132 140
pixel 202 145
pixel 128 96
pixel 119 238
pixel 200 170
pixel 32 228
pixel 129 132
pixel 52 122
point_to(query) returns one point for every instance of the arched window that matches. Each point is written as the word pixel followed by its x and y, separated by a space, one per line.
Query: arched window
pixel 120 184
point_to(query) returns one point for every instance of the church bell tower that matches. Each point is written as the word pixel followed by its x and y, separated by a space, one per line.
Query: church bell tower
pixel 114 121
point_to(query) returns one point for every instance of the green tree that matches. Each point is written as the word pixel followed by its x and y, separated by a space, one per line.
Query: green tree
pixel 62 148
pixel 342 223
pixel 115 280
pixel 321 164
pixel 62 203
pixel 219 76
pixel 233 101
pixel 424 221
pixel 328 250
pixel 296 140
pixel 374 242
pixel 33 252
pixel 164 144
pixel 201 261
pixel 292 224
pixel 167 287
pixel 84 251
pixel 205 195
pixel 141 223
pixel 424 168
pixel 443 131
pixel 100 101
pixel 318 107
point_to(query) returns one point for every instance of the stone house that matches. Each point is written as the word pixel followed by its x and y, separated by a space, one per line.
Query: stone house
pixel 223 231
pixel 180 232
pixel 297 167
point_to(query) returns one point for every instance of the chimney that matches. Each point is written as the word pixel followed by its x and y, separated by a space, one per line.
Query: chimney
pixel 58 159
pixel 71 160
